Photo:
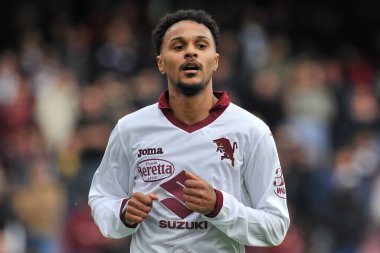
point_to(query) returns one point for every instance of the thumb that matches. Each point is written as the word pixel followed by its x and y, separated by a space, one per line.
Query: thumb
pixel 153 196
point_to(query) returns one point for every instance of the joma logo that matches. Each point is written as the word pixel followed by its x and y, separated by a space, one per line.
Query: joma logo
pixel 150 151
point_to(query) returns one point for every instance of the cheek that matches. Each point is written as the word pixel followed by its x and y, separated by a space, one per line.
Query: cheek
pixel 171 65
pixel 210 66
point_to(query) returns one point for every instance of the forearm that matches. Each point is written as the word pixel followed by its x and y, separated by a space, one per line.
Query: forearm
pixel 249 226
pixel 106 194
pixel 107 215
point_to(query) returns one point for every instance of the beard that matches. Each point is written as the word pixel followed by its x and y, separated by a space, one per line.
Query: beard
pixel 190 89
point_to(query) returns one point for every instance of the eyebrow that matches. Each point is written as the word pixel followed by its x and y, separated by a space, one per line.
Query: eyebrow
pixel 181 38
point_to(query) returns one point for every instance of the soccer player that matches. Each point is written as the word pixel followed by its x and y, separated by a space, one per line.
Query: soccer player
pixel 193 172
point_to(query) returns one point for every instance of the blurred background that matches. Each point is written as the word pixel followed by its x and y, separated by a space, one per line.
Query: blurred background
pixel 70 69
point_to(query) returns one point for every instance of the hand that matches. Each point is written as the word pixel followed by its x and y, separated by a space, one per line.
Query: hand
pixel 139 206
pixel 199 194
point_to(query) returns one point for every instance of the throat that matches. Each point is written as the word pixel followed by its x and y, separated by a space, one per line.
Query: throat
pixel 191 110
pixel 191 118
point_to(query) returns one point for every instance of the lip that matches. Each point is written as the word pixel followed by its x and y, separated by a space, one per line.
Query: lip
pixel 194 65
pixel 190 71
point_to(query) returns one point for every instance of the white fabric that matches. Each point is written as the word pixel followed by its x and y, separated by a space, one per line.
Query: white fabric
pixel 254 210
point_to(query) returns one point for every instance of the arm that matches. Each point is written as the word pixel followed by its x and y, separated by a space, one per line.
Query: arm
pixel 264 221
pixel 110 189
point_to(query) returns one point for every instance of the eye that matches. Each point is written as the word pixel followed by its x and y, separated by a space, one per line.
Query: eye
pixel 201 45
pixel 178 47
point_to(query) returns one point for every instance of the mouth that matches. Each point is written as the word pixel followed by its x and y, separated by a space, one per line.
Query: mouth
pixel 191 67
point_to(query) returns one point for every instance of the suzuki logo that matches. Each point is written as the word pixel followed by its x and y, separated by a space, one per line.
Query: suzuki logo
pixel 175 187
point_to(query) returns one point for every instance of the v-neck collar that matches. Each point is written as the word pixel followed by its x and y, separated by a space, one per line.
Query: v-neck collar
pixel 215 112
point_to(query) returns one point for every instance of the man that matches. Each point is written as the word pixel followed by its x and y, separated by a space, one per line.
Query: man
pixel 194 172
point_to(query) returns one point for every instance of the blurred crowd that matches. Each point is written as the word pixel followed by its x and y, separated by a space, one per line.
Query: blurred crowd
pixel 64 84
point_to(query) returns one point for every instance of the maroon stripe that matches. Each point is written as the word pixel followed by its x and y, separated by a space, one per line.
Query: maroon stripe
pixel 122 214
pixel 177 207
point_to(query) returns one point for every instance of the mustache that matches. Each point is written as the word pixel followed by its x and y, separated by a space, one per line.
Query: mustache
pixel 191 64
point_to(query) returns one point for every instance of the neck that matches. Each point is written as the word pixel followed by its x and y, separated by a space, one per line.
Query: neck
pixel 192 109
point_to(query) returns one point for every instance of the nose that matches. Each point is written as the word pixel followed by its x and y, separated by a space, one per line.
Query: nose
pixel 190 52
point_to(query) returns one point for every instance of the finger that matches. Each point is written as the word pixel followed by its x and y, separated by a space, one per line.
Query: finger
pixel 139 205
pixel 137 212
pixel 132 219
pixel 191 183
pixel 142 198
pixel 192 199
pixel 194 192
pixel 192 176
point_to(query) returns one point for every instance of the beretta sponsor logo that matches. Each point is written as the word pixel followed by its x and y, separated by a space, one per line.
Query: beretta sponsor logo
pixel 155 169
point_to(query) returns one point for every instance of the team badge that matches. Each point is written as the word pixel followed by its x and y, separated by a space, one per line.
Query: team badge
pixel 223 145
pixel 279 184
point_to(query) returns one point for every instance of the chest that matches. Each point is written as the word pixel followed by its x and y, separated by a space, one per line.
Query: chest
pixel 216 156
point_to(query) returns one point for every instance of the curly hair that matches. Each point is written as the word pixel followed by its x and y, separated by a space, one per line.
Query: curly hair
pixel 167 21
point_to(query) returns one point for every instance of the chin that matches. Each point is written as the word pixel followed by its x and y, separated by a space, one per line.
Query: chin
pixel 190 89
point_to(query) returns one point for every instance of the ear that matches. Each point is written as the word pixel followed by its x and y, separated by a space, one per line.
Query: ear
pixel 160 64
pixel 216 61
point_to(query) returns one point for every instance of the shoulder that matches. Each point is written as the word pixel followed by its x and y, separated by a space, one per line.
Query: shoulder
pixel 143 116
pixel 245 120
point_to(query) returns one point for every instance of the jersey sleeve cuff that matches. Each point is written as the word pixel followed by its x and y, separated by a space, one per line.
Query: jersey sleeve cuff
pixel 218 204
pixel 123 209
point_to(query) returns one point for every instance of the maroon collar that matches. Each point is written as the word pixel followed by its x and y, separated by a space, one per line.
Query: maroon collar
pixel 215 112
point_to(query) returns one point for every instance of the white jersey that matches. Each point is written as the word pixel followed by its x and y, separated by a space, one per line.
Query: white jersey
pixel 149 150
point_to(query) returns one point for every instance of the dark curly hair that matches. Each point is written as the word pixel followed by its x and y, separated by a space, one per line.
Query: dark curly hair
pixel 167 21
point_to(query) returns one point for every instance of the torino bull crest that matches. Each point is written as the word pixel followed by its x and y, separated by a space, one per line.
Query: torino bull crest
pixel 223 145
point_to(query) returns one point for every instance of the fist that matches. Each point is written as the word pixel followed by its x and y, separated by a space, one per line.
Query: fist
pixel 199 194
pixel 139 206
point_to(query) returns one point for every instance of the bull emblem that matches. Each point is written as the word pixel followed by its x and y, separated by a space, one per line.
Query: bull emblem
pixel 223 145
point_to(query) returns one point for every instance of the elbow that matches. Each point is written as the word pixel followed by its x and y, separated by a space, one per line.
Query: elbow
pixel 105 233
pixel 276 241
pixel 279 233
pixel 108 234
pixel 103 228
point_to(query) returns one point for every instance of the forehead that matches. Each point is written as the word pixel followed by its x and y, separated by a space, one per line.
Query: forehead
pixel 187 29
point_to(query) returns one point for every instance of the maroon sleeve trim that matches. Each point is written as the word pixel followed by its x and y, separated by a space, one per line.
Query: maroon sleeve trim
pixel 218 204
pixel 122 214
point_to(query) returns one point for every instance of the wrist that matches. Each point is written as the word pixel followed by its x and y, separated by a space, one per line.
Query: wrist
pixel 218 204
pixel 123 211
